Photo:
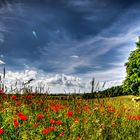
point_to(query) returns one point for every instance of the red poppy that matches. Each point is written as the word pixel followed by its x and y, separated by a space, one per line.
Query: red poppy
pixel 18 103
pixel 69 114
pixel 109 106
pixel 1 130
pixel 76 119
pixel 46 131
pixel 138 118
pixel 23 118
pixel 56 109
pixel 52 128
pixel 14 97
pixel 52 121
pixel 78 138
pixel 111 110
pixel 35 124
pixel 20 114
pixel 58 122
pixel 133 117
pixel 29 97
pixel 61 134
pixel 15 121
pixel 40 116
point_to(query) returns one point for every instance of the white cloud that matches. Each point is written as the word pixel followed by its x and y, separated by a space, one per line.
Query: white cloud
pixel 74 56
pixel 56 82
pixel 113 76
pixel 61 83
pixel 2 62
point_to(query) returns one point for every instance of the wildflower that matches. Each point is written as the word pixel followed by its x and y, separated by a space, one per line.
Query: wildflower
pixel 133 117
pixel 138 118
pixel 129 117
pixel 113 124
pixel 2 108
pixel 52 128
pixel 58 122
pixel 40 116
pixel 18 103
pixel 1 130
pixel 78 138
pixel 56 109
pixel 15 121
pixel 76 119
pixel 109 106
pixel 20 114
pixel 14 97
pixel 35 124
pixel 69 114
pixel 23 118
pixel 52 121
pixel 111 110
pixel 46 131
pixel 29 97
pixel 61 134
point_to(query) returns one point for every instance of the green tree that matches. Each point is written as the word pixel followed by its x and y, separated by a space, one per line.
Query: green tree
pixel 131 84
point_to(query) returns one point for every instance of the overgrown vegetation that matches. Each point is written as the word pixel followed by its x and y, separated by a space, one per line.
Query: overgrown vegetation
pixel 131 84
pixel 36 117
pixel 110 92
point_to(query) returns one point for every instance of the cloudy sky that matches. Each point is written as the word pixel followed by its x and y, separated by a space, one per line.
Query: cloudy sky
pixel 64 43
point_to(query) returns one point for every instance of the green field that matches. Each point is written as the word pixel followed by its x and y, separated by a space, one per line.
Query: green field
pixel 31 117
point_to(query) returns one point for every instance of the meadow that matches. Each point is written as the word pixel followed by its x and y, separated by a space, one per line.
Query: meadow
pixel 37 117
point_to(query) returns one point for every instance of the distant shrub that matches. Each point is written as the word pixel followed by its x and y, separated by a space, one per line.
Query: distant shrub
pixel 110 92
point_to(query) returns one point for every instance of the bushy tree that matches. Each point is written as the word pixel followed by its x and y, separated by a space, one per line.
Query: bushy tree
pixel 131 84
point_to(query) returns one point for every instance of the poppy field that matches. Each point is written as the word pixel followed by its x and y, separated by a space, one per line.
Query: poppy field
pixel 36 117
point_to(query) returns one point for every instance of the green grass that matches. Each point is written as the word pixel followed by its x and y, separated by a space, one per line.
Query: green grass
pixel 116 118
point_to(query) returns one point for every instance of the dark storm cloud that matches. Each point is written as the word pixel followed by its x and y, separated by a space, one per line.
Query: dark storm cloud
pixel 46 33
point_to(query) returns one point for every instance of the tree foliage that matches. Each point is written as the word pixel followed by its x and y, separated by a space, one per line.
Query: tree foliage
pixel 131 84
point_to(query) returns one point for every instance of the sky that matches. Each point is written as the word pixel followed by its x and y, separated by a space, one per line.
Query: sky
pixel 63 44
